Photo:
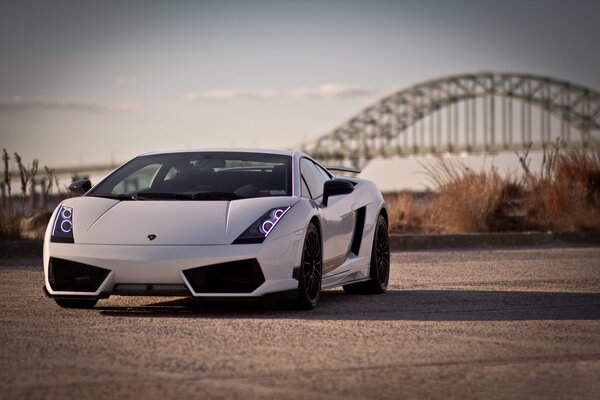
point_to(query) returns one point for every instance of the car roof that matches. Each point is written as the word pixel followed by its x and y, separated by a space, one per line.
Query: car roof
pixel 229 150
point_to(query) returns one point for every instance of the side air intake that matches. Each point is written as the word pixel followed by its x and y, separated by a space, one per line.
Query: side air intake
pixel 71 276
pixel 242 276
pixel 359 229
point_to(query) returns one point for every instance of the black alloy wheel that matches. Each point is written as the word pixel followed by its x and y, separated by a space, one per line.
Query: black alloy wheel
pixel 380 263
pixel 310 270
pixel 381 252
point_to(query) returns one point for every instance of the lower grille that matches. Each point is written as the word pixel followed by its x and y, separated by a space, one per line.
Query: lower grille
pixel 151 289
pixel 242 276
pixel 71 276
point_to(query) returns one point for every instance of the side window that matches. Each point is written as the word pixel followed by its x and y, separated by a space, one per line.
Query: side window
pixel 305 192
pixel 314 179
pixel 324 173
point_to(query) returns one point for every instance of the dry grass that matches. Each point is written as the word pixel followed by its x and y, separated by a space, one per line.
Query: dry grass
pixel 563 196
pixel 25 222
pixel 568 199
pixel 10 225
pixel 467 201
pixel 408 212
pixel 19 226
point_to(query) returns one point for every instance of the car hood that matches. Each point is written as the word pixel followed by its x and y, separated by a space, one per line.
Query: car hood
pixel 105 221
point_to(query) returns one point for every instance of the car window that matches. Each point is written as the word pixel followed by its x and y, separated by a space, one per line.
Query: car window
pixel 138 180
pixel 324 173
pixel 305 191
pixel 201 175
pixel 314 179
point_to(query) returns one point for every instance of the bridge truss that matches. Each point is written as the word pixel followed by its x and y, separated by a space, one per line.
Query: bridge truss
pixel 484 112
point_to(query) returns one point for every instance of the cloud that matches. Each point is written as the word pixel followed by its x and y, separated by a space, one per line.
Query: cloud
pixel 325 91
pixel 232 94
pixel 20 103
pixel 331 90
pixel 125 81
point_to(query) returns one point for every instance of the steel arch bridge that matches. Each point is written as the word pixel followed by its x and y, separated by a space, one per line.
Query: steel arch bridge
pixel 471 113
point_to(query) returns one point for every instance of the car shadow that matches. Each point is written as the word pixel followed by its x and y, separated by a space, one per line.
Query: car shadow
pixel 413 305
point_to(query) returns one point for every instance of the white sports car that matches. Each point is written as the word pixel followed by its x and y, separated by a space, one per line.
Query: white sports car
pixel 218 223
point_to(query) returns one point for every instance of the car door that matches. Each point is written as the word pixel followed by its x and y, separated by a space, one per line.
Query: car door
pixel 337 218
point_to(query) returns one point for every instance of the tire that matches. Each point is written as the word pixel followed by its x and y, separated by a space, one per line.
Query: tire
pixel 380 263
pixel 76 303
pixel 311 269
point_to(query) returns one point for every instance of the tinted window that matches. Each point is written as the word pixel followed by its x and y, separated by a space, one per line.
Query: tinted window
pixel 324 173
pixel 314 178
pixel 137 181
pixel 235 174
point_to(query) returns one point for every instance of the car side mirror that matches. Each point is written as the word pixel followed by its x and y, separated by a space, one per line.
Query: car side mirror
pixel 336 187
pixel 80 187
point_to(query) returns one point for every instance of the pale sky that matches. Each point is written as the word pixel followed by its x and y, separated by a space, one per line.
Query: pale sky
pixel 98 81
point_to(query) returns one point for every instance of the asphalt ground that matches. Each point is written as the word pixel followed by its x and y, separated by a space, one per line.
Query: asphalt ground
pixel 486 324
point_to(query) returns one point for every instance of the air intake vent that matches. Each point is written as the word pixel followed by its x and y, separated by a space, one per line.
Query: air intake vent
pixel 71 276
pixel 359 229
pixel 242 276
pixel 151 289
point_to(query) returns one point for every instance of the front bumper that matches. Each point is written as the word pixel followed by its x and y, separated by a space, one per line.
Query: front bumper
pixel 159 267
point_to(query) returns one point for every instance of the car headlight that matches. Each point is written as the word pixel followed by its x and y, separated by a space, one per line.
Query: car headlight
pixel 260 229
pixel 62 231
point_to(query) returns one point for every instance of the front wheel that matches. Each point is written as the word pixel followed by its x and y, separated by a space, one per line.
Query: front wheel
pixel 311 269
pixel 380 263
pixel 76 303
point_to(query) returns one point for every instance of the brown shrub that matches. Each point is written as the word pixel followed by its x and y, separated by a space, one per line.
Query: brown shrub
pixel 19 226
pixel 34 226
pixel 564 195
pixel 408 212
pixel 467 201
pixel 10 225
pixel 568 199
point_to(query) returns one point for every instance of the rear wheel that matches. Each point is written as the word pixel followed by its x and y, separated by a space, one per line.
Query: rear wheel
pixel 311 269
pixel 380 263
pixel 76 303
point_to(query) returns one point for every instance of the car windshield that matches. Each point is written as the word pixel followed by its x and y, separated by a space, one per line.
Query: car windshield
pixel 199 176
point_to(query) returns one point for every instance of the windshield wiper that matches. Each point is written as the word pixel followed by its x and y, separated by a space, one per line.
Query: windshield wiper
pixel 216 196
pixel 187 196
pixel 113 196
pixel 164 196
